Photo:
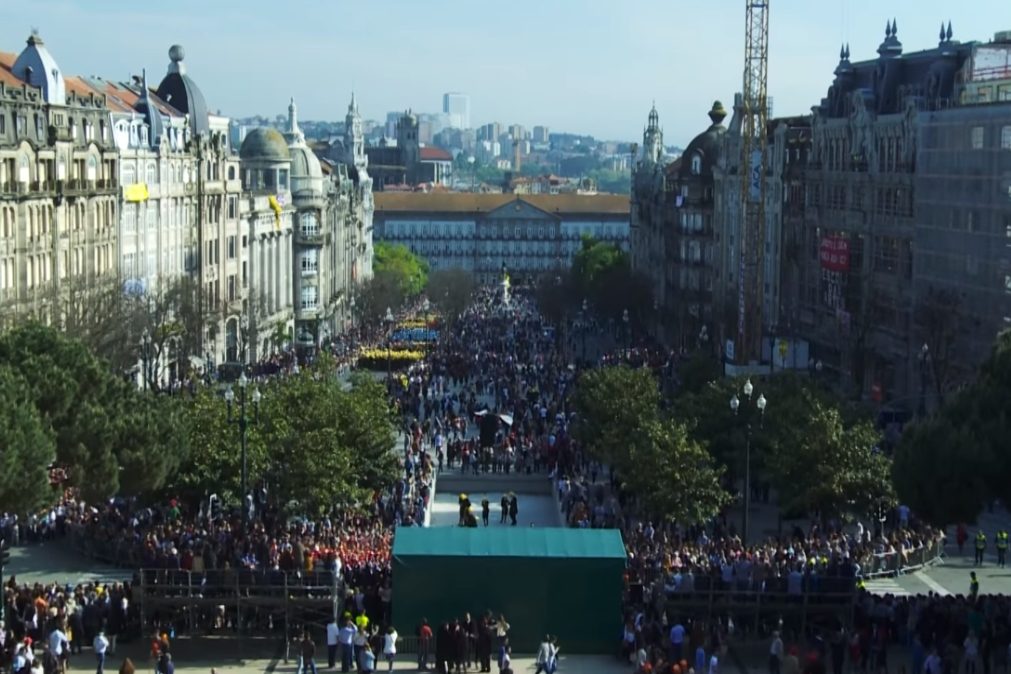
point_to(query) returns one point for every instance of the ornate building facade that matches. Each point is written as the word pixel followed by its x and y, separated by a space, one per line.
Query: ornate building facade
pixel 59 181
pixel 529 234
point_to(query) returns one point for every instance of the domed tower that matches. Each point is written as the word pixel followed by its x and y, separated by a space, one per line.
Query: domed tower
pixel 652 138
pixel 309 199
pixel 37 66
pixel 180 91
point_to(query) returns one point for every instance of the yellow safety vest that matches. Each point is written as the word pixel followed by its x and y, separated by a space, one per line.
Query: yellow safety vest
pixel 980 541
pixel 1002 540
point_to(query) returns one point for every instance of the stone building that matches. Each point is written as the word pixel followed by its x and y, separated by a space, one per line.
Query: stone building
pixel 529 234
pixel 906 194
pixel 266 323
pixel 59 182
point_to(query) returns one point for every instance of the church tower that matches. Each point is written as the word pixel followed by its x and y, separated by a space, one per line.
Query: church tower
pixel 652 138
pixel 354 138
pixel 410 149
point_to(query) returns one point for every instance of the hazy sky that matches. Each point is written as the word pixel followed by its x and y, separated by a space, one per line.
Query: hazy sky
pixel 586 66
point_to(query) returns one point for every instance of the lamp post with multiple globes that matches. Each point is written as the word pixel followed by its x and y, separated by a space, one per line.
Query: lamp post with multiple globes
pixel 758 407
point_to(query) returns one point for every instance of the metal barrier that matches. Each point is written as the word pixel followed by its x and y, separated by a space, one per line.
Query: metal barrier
pixel 885 564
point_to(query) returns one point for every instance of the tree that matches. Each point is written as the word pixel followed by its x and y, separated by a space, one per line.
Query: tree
pixel 101 315
pixel 602 272
pixel 450 290
pixel 28 449
pixel 91 413
pixel 375 295
pixel 315 446
pixel 674 476
pixel 613 404
pixel 408 270
pixel 940 471
pixel 939 316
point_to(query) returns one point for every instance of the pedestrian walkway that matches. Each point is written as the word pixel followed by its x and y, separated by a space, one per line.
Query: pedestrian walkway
pixel 886 586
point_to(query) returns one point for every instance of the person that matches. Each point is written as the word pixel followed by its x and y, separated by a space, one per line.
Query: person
pixel 390 646
pixel 127 667
pixel 973 585
pixel 307 651
pixel 424 644
pixel 346 638
pixel 1002 542
pixel 505 509
pixel 368 659
pixel 59 644
pixel 101 645
pixel 980 547
pixel 775 653
pixel 543 654
pixel 332 643
pixel 971 653
pixel 505 660
pixel 513 509
pixel 165 664
pixel 553 656
pixel 485 510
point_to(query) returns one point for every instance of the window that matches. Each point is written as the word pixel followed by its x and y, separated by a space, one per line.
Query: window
pixel 886 254
pixel 696 165
pixel 231 173
pixel 21 123
pixel 1005 136
pixel 152 174
pixel 231 287
pixel 309 261
pixel 310 297
pixel 976 137
pixel 40 126
pixel 231 247
pixel 3 124
pixel 310 226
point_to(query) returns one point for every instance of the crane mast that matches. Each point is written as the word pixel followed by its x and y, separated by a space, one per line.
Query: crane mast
pixel 754 139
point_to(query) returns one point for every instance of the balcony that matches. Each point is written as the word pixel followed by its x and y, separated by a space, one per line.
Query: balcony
pixel 310 237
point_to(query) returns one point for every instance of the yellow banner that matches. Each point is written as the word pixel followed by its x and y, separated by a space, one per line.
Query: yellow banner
pixel 275 205
pixel 135 193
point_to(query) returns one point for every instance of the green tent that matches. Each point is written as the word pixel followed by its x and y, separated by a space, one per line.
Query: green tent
pixel 565 582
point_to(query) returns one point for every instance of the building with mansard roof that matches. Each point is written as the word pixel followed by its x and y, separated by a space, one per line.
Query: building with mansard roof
pixel 59 188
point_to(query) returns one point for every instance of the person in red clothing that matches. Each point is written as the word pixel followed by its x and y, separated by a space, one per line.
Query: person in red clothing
pixel 424 644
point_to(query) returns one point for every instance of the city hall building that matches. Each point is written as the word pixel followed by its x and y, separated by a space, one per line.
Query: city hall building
pixel 529 234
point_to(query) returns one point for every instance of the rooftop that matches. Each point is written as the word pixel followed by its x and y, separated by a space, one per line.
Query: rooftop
pixel 469 202
pixel 435 154
pixel 550 542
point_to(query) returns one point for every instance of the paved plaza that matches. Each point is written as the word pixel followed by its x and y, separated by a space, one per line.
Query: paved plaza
pixel 534 510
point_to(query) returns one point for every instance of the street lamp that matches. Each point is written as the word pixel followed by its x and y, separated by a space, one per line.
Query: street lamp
pixel 145 351
pixel 585 325
pixel 473 172
pixel 426 306
pixel 243 421
pixel 628 333
pixel 924 360
pixel 388 319
pixel 735 404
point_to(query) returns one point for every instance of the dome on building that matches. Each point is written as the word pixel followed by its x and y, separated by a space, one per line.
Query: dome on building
pixel 304 163
pixel 702 153
pixel 180 91
pixel 264 144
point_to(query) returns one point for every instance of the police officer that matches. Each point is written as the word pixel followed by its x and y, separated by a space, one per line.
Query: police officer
pixel 1002 541
pixel 973 585
pixel 980 547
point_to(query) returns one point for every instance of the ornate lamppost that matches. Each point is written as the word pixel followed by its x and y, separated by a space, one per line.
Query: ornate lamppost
pixel 243 421
pixel 751 410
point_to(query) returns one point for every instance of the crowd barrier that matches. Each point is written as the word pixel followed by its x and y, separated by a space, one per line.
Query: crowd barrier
pixel 896 563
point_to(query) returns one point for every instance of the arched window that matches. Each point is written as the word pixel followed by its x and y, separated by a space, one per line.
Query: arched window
pixel 696 165
pixel 129 174
pixel 231 173
pixel 92 169
pixel 152 173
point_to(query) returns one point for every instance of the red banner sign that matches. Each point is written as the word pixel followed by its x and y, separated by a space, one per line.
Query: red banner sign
pixel 834 253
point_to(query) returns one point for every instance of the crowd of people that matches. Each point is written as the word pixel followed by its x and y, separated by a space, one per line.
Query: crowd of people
pixel 492 395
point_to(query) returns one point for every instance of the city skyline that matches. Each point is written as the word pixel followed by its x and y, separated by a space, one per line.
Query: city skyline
pixel 612 60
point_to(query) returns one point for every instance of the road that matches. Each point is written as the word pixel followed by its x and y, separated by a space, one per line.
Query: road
pixel 952 575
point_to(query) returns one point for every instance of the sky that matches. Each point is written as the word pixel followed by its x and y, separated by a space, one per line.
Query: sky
pixel 582 66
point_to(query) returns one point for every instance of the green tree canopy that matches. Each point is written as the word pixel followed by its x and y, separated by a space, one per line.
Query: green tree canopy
pixel 27 449
pixel 408 270
pixel 94 416
pixel 613 404
pixel 315 445
pixel 673 475
pixel 450 291
pixel 947 467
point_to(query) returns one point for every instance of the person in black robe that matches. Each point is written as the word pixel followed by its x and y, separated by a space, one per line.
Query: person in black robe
pixel 485 631
pixel 444 649
pixel 513 509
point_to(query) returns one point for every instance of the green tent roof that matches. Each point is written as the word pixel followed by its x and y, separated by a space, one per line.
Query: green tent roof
pixel 553 542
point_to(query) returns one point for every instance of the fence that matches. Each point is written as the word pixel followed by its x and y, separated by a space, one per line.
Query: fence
pixel 894 563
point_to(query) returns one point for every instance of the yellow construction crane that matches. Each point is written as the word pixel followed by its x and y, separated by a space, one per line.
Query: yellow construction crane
pixel 754 139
